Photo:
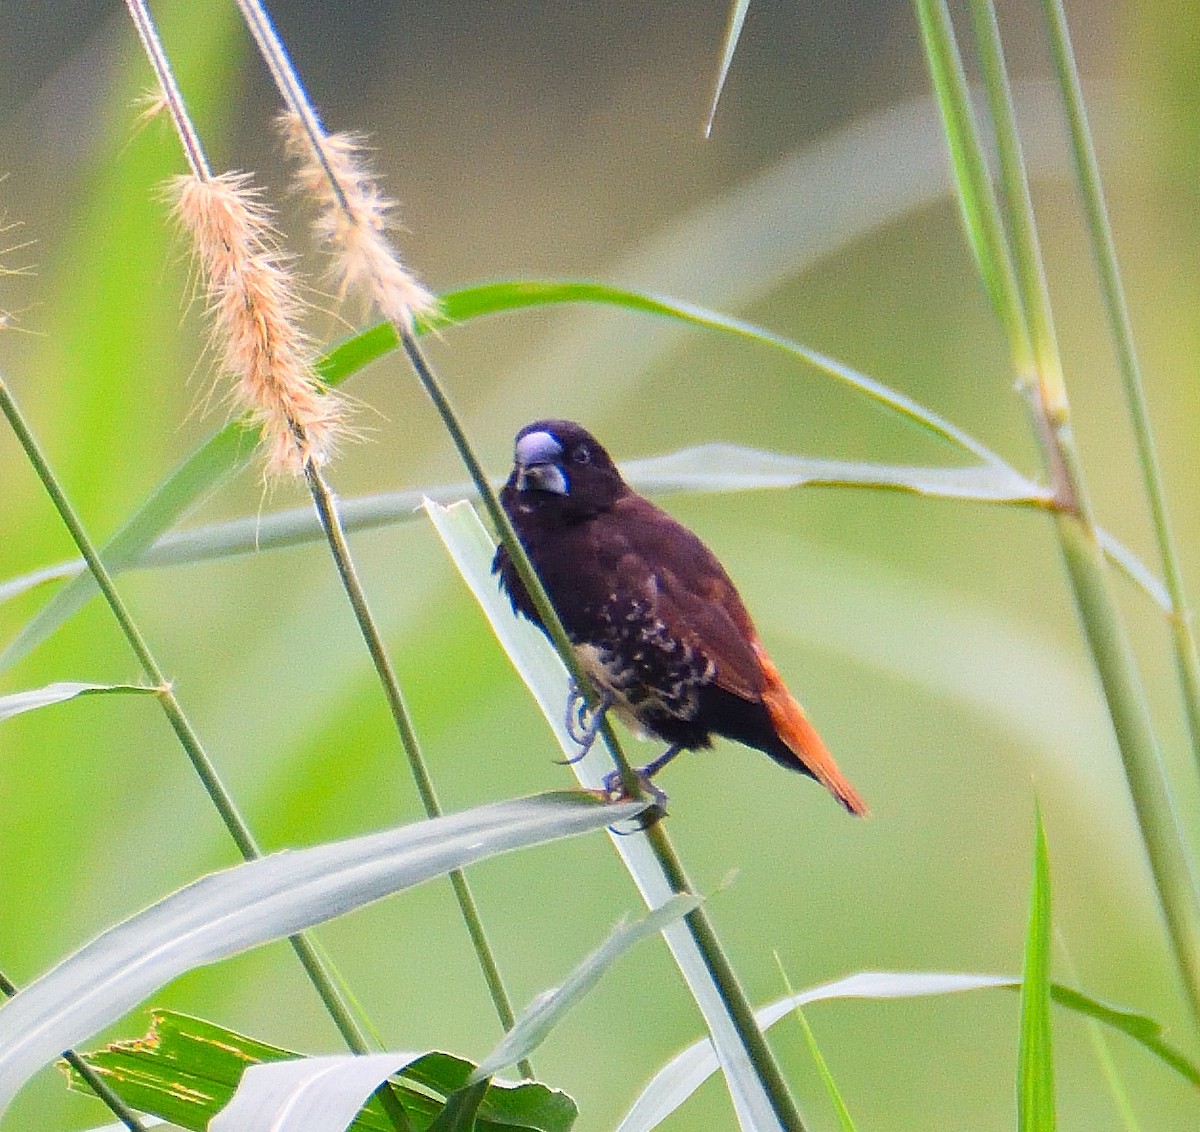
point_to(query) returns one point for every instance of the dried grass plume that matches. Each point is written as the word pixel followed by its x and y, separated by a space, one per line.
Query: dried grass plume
pixel 255 319
pixel 353 222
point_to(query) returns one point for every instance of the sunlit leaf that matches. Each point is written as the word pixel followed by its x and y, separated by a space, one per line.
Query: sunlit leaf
pixel 227 912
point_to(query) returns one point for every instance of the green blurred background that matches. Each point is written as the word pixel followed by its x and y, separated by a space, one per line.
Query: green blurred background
pixel 934 643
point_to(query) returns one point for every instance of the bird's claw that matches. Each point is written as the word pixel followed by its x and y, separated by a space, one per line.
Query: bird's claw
pixel 614 789
pixel 583 721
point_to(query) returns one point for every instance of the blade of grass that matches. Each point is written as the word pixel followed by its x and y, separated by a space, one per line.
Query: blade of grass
pixel 834 1093
pixel 976 196
pixel 688 1070
pixel 733 32
pixel 547 1010
pixel 231 448
pixel 17 702
pixel 1035 1060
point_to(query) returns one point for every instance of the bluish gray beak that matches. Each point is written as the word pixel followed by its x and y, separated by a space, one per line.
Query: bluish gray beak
pixel 538 468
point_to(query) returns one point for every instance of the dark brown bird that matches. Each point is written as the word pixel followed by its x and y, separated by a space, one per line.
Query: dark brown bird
pixel 655 620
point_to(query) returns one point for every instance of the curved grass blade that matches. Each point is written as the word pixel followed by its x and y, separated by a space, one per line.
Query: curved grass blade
pixel 547 1010
pixel 231 448
pixel 269 898
pixel 688 1070
pixel 733 32
pixel 18 702
pixel 706 468
pixel 1035 1060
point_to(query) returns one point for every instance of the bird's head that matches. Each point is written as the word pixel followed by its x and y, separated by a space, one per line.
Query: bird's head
pixel 559 465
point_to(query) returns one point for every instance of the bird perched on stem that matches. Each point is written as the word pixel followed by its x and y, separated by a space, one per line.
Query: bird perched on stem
pixel 654 619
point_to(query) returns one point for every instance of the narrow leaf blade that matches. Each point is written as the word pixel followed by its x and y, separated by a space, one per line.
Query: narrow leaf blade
pixel 1035 1069
pixel 548 1009
pixel 689 1069
pixel 733 32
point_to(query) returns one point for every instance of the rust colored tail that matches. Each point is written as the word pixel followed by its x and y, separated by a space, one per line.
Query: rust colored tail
pixel 801 737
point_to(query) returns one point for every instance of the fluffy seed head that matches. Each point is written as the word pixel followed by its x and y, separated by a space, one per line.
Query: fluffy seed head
pixel 255 319
pixel 354 224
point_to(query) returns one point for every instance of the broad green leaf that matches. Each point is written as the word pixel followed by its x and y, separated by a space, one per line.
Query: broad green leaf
pixel 262 900
pixel 733 32
pixel 187 1070
pixel 547 1010
pixel 471 548
pixel 17 702
pixel 1035 1064
pixel 688 1070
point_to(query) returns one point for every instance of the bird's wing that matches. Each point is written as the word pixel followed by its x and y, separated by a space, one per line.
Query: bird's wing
pixel 690 591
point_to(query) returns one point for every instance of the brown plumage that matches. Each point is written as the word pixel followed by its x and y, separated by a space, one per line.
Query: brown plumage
pixel 653 616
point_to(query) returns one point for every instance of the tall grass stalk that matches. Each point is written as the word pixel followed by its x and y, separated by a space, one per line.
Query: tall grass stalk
pixel 1087 172
pixel 313 961
pixel 1074 524
pixel 371 274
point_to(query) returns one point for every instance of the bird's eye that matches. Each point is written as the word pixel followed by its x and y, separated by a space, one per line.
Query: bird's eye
pixel 582 455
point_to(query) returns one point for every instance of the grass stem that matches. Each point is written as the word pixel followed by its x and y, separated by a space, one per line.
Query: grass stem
pixel 326 504
pixel 1104 252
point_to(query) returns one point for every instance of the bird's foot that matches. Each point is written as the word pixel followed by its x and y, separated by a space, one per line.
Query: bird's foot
pixel 583 721
pixel 614 789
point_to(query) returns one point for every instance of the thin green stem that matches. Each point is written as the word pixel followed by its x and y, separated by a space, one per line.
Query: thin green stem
pixel 1112 654
pixel 238 829
pixel 327 509
pixel 95 1082
pixel 1087 171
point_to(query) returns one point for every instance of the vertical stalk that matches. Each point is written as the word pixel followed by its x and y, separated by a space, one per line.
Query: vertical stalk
pixel 1111 652
pixel 1087 172
pixel 326 505
pixel 314 964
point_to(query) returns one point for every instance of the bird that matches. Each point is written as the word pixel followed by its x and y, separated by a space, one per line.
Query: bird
pixel 653 618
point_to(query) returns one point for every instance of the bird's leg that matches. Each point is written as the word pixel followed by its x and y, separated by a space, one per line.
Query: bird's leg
pixel 583 721
pixel 615 791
